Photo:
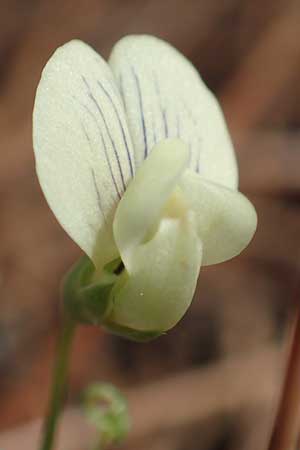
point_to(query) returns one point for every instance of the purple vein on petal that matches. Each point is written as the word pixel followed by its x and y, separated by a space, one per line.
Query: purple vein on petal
pixel 162 110
pixel 103 143
pixel 153 129
pixel 93 173
pixel 98 194
pixel 91 96
pixel 121 87
pixel 138 87
pixel 195 123
pixel 120 124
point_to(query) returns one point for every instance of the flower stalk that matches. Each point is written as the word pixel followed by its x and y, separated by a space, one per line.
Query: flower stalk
pixel 58 384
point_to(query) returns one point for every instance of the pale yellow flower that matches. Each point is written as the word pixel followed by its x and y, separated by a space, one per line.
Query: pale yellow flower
pixel 136 162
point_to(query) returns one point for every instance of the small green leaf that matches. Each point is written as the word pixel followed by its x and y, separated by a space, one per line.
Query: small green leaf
pixel 106 409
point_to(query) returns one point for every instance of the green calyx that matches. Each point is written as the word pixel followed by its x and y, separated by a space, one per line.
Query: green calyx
pixel 88 298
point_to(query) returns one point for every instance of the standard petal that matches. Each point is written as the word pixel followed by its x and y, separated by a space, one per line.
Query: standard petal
pixel 140 209
pixel 83 149
pixel 159 289
pixel 226 220
pixel 165 97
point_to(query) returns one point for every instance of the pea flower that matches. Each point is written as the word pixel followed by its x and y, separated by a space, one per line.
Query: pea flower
pixel 136 162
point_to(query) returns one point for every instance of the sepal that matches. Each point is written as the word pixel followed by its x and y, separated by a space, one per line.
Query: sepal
pixel 88 300
pixel 87 297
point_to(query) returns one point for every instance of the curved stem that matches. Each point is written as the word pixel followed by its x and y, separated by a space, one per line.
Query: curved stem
pixel 58 383
pixel 287 423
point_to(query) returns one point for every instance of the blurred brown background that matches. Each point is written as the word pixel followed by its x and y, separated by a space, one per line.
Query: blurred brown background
pixel 213 382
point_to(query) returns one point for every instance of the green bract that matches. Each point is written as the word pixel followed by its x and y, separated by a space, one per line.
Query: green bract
pixel 136 162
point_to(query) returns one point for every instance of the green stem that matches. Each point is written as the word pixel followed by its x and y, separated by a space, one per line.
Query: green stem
pixel 58 383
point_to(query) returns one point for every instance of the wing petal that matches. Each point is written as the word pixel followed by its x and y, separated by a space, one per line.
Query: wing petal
pixel 226 221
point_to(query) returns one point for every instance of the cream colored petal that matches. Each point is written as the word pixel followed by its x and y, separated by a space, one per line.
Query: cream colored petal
pixel 83 149
pixel 159 289
pixel 165 97
pixel 140 209
pixel 226 220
